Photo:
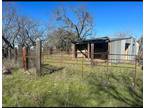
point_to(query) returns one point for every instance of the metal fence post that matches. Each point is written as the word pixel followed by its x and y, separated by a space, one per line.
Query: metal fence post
pixel 107 65
pixel 38 56
pixel 82 67
pixel 135 71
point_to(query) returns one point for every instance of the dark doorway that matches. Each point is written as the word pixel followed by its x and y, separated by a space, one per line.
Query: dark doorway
pixel 100 50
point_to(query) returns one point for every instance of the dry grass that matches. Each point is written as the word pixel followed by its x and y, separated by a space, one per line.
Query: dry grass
pixel 64 84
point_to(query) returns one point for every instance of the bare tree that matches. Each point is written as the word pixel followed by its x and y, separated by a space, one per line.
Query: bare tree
pixel 80 23
pixel 28 31
pixel 19 29
pixel 9 29
pixel 61 39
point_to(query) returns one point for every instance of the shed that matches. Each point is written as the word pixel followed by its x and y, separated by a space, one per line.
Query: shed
pixel 114 49
pixel 122 49
pixel 91 48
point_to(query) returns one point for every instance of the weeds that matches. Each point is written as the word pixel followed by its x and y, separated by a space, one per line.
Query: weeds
pixel 67 88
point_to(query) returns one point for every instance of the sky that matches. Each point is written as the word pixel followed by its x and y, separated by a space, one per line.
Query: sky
pixel 109 18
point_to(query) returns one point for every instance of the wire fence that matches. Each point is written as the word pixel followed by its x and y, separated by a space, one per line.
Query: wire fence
pixel 65 71
pixel 58 57
pixel 120 62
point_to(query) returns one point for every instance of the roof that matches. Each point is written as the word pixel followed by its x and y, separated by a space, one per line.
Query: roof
pixel 99 40
pixel 96 40
pixel 117 39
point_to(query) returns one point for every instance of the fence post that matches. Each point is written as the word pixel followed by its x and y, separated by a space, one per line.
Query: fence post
pixel 51 50
pixel 92 53
pixel 108 56
pixel 135 74
pixel 16 55
pixel 89 52
pixel 25 58
pixel 4 52
pixel 82 67
pixel 74 50
pixel 20 55
pixel 38 56
pixel 9 53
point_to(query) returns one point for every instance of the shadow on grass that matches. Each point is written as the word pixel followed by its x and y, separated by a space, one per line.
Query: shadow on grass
pixel 10 71
pixel 49 69
pixel 116 87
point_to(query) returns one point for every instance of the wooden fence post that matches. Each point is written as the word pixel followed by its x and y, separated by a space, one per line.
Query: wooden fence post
pixel 25 58
pixel 20 55
pixel 38 56
pixel 51 50
pixel 92 53
pixel 16 55
pixel 89 51
pixel 74 50
pixel 9 53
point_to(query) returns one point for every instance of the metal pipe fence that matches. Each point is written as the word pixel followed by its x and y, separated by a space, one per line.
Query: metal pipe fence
pixel 62 58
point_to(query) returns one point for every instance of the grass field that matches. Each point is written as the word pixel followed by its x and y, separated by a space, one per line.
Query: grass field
pixel 73 85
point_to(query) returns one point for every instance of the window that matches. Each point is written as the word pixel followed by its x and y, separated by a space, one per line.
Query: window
pixel 126 46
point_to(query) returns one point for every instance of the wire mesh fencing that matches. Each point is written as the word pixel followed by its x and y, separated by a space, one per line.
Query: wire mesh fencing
pixel 67 71
pixel 110 62
pixel 70 81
